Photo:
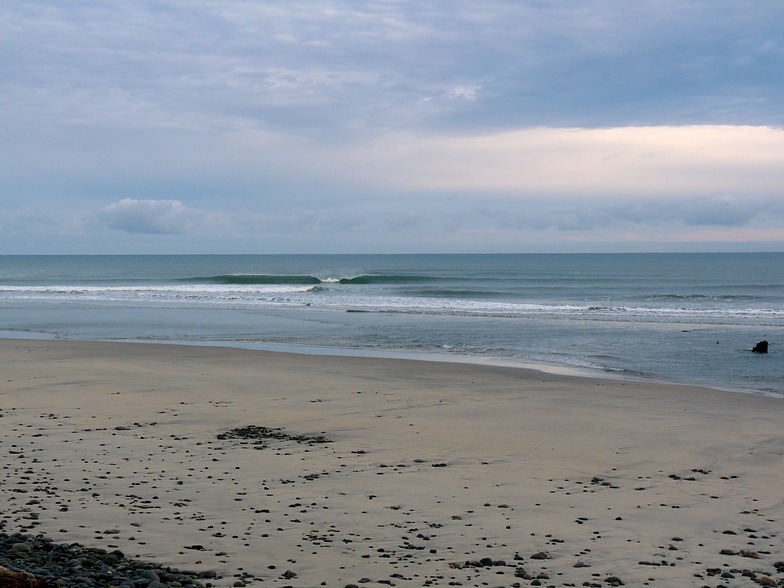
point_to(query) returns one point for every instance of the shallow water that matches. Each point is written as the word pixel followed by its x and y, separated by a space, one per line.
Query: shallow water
pixel 689 318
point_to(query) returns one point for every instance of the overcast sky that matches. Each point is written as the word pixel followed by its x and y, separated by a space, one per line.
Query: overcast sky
pixel 250 126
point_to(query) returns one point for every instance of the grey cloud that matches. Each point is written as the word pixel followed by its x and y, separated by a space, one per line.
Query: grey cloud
pixel 727 211
pixel 314 67
pixel 571 215
pixel 442 214
pixel 37 221
pixel 723 211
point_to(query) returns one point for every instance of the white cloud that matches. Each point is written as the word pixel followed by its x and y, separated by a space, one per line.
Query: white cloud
pixel 464 93
pixel 152 216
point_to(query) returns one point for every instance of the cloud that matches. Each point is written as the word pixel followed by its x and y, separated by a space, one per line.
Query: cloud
pixel 313 67
pixel 152 216
pixel 624 162
pixel 569 216
pixel 436 223
pixel 444 214
pixel 408 124
pixel 719 211
pixel 172 217
pixel 264 172
pixel 724 211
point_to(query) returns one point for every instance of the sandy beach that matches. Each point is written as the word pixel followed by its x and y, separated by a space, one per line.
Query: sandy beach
pixel 297 470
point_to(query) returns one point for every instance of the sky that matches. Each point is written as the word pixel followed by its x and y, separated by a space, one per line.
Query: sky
pixel 391 126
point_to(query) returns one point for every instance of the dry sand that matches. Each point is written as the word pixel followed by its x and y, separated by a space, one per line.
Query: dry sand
pixel 431 469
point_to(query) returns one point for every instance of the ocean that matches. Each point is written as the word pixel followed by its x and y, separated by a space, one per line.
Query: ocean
pixel 686 318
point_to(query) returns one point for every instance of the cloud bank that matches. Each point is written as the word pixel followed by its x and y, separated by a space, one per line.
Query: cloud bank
pixel 390 126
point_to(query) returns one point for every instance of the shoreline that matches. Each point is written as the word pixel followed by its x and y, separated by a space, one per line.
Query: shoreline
pixel 300 349
pixel 446 357
pixel 427 356
pixel 430 474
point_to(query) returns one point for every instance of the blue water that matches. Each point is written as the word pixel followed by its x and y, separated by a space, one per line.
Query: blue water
pixel 689 318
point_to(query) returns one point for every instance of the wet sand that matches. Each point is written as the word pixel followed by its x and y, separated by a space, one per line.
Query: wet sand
pixel 387 472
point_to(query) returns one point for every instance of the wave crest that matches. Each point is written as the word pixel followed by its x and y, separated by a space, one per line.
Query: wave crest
pixel 385 279
pixel 261 279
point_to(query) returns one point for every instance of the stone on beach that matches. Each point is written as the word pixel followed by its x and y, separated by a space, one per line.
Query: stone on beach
pixel 15 579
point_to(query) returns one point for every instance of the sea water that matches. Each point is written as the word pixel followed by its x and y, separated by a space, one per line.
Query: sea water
pixel 690 318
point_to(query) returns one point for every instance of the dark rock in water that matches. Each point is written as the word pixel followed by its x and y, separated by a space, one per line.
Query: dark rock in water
pixel 761 347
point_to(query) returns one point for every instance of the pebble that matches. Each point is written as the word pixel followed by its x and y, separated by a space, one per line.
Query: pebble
pixel 77 566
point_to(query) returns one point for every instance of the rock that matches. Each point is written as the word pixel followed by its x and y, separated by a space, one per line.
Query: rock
pixel 150 575
pixel 40 562
pixel 540 555
pixel 13 579
pixel 761 347
pixel 751 554
pixel 111 560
